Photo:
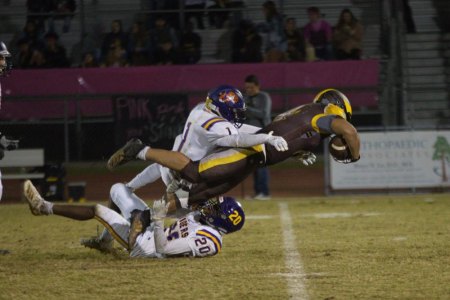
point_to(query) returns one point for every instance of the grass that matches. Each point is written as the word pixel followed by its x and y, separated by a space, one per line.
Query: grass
pixel 377 247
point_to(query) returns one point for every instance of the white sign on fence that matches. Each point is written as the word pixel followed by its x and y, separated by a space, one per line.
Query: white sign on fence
pixel 396 159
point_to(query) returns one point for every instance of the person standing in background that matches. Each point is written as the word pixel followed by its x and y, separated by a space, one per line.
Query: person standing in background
pixel 259 107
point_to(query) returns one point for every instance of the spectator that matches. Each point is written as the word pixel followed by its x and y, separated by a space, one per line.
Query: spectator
pixel 318 33
pixel 139 47
pixel 54 53
pixel 22 59
pixel 89 61
pixel 272 32
pixel 190 46
pixel 32 35
pixel 259 106
pixel 166 54
pixel 109 41
pixel 164 37
pixel 295 42
pixel 117 55
pixel 347 36
pixel 246 44
pixel 37 60
pixel 199 5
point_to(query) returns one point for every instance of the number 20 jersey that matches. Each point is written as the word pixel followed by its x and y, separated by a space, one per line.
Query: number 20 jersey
pixel 188 237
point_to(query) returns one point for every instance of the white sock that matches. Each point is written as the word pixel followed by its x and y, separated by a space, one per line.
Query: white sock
pixel 184 202
pixel 47 208
pixel 141 154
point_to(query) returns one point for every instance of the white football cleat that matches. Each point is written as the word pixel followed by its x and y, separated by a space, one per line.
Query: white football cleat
pixel 35 201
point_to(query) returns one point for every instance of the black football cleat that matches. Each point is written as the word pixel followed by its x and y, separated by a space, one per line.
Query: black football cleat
pixel 126 153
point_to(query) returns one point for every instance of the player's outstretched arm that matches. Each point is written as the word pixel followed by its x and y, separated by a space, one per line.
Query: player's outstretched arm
pixel 342 127
pixel 245 140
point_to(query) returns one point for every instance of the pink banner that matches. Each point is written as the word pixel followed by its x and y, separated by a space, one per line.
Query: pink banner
pixel 176 79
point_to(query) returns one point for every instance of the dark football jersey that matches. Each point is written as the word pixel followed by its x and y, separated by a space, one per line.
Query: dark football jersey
pixel 302 127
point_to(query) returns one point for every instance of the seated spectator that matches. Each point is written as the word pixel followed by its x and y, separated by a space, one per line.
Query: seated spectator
pixel 197 15
pixel 246 44
pixel 272 32
pixel 164 38
pixel 295 42
pixel 110 38
pixel 138 45
pixel 166 54
pixel 318 34
pixel 37 60
pixel 347 36
pixel 89 61
pixel 54 52
pixel 190 46
pixel 22 58
pixel 116 55
pixel 32 35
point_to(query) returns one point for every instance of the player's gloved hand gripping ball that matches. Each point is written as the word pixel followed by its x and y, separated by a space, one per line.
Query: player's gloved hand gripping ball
pixel 340 151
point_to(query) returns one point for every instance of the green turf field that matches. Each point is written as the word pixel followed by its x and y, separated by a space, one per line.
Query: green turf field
pixel 353 247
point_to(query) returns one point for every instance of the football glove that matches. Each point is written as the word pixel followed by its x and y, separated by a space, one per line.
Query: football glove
pixel 347 160
pixel 173 186
pixel 159 210
pixel 278 142
pixel 8 144
pixel 305 157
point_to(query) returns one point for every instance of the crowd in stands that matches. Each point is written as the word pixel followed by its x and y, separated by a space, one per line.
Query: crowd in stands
pixel 160 40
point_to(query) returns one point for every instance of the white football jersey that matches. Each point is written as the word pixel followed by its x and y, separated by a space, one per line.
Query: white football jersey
pixel 201 131
pixel 188 237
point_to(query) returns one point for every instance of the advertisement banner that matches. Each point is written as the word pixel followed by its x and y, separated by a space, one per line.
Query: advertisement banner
pixel 398 159
pixel 155 119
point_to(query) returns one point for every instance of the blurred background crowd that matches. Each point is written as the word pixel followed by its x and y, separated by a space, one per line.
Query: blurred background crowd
pixel 162 37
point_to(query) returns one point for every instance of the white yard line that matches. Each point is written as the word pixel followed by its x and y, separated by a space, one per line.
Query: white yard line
pixel 296 278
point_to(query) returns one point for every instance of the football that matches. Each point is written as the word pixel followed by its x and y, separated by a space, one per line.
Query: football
pixel 338 148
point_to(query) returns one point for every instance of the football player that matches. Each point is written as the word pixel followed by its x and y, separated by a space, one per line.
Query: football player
pixel 303 128
pixel 197 234
pixel 5 68
pixel 216 123
pixel 5 143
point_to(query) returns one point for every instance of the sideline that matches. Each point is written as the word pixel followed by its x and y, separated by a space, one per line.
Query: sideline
pixel 296 274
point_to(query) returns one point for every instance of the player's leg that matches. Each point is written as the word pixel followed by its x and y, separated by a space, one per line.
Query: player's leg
pixel 122 201
pixel 149 175
pixel 39 206
pixel 126 201
pixel 116 224
pixel 134 149
pixel 143 244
